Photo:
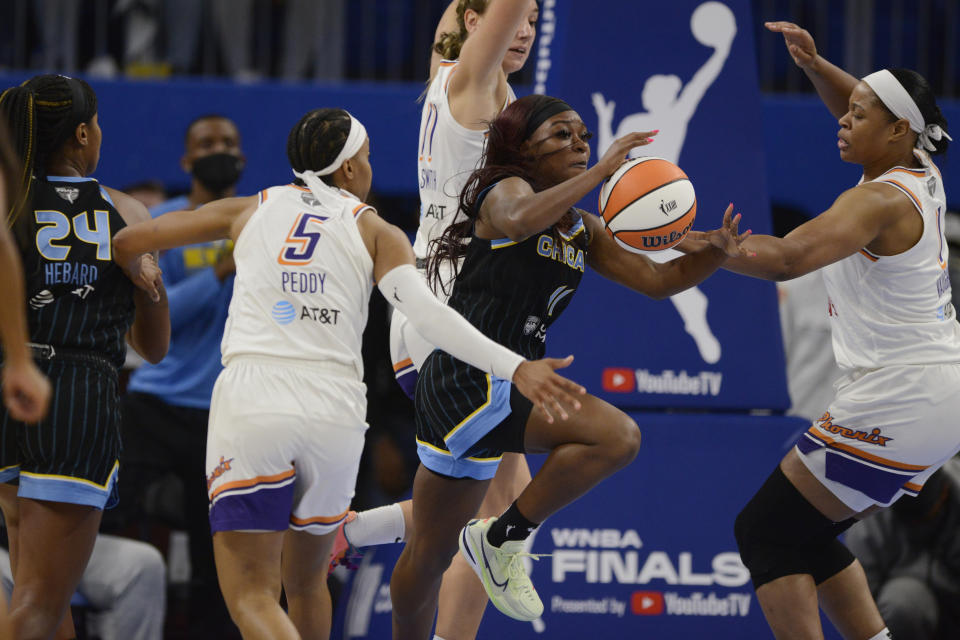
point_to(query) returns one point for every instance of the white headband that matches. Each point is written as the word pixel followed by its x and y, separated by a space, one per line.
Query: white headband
pixel 355 138
pixel 326 194
pixel 898 101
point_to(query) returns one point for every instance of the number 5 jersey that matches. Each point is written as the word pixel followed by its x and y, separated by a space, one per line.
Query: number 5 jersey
pixel 304 278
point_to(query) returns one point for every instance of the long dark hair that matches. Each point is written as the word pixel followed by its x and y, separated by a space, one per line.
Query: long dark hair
pixel 504 156
pixel 41 114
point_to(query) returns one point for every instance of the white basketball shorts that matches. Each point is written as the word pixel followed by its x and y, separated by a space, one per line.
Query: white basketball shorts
pixel 885 433
pixel 283 445
pixel 408 350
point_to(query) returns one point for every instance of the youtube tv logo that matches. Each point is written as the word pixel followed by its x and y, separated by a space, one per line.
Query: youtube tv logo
pixel 619 380
pixel 646 603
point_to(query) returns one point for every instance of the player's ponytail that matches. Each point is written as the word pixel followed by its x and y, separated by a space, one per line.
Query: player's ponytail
pixel 18 109
pixel 41 115
pixel 451 42
pixel 922 95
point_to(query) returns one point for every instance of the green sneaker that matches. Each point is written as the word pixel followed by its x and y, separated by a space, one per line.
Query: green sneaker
pixel 501 571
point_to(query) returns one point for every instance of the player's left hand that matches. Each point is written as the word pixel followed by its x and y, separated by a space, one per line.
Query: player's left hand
pixel 554 394
pixel 26 391
pixel 728 238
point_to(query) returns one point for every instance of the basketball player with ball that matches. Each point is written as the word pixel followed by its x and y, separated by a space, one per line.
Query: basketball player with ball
pixel 893 421
pixel 528 250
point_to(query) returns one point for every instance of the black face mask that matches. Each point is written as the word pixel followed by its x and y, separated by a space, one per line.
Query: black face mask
pixel 218 172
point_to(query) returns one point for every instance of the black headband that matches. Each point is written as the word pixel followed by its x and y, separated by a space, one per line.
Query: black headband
pixel 78 100
pixel 547 109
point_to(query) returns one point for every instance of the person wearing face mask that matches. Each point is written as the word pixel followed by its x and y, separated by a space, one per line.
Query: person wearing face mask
pixel 166 406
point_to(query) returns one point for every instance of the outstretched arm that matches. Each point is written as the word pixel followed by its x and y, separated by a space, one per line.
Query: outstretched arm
pixel 447 24
pixel 854 220
pixel 832 83
pixel 662 280
pixel 217 220
pixel 514 209
pixel 404 287
pixel 473 92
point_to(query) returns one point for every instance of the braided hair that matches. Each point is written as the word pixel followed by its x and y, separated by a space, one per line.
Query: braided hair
pixel 316 141
pixel 41 115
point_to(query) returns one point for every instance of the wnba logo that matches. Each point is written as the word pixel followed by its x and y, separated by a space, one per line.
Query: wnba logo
pixel 283 312
pixel 667 207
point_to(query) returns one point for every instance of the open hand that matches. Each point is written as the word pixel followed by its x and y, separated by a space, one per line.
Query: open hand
pixel 26 391
pixel 145 273
pixel 799 42
pixel 554 394
pixel 728 238
pixel 618 151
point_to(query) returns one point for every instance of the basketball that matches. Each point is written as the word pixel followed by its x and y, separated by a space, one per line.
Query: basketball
pixel 648 204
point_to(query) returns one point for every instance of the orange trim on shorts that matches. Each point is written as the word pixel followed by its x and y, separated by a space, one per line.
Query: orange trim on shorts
pixel 318 519
pixel 857 453
pixel 240 484
pixel 263 196
pixel 864 253
pixel 912 486
pixel 402 364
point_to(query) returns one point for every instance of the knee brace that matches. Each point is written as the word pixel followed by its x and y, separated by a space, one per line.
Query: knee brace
pixel 779 533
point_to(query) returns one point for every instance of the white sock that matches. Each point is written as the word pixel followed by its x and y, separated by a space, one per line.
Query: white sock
pixel 883 635
pixel 437 638
pixel 383 525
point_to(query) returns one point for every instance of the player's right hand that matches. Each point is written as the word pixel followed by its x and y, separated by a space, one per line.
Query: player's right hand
pixel 26 391
pixel 618 151
pixel 799 42
pixel 554 394
pixel 145 273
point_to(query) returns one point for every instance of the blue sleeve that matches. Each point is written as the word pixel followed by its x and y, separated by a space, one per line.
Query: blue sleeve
pixel 189 296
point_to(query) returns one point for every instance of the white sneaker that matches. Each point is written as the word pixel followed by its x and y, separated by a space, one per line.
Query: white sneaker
pixel 501 571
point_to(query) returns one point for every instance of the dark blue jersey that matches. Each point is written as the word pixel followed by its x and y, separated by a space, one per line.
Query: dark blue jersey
pixel 513 291
pixel 78 297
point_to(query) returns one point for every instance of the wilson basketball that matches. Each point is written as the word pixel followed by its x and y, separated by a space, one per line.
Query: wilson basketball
pixel 648 204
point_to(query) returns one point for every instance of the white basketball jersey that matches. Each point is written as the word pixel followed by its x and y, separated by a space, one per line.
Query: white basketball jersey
pixel 896 310
pixel 447 154
pixel 304 278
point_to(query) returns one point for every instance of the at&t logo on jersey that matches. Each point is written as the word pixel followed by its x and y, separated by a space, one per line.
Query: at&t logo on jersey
pixel 283 312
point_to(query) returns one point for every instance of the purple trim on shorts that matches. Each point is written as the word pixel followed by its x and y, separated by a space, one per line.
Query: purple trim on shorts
pixel 807 443
pixel 880 484
pixel 408 382
pixel 264 509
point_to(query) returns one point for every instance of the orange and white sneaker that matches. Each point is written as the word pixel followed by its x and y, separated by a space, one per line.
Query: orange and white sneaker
pixel 343 552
